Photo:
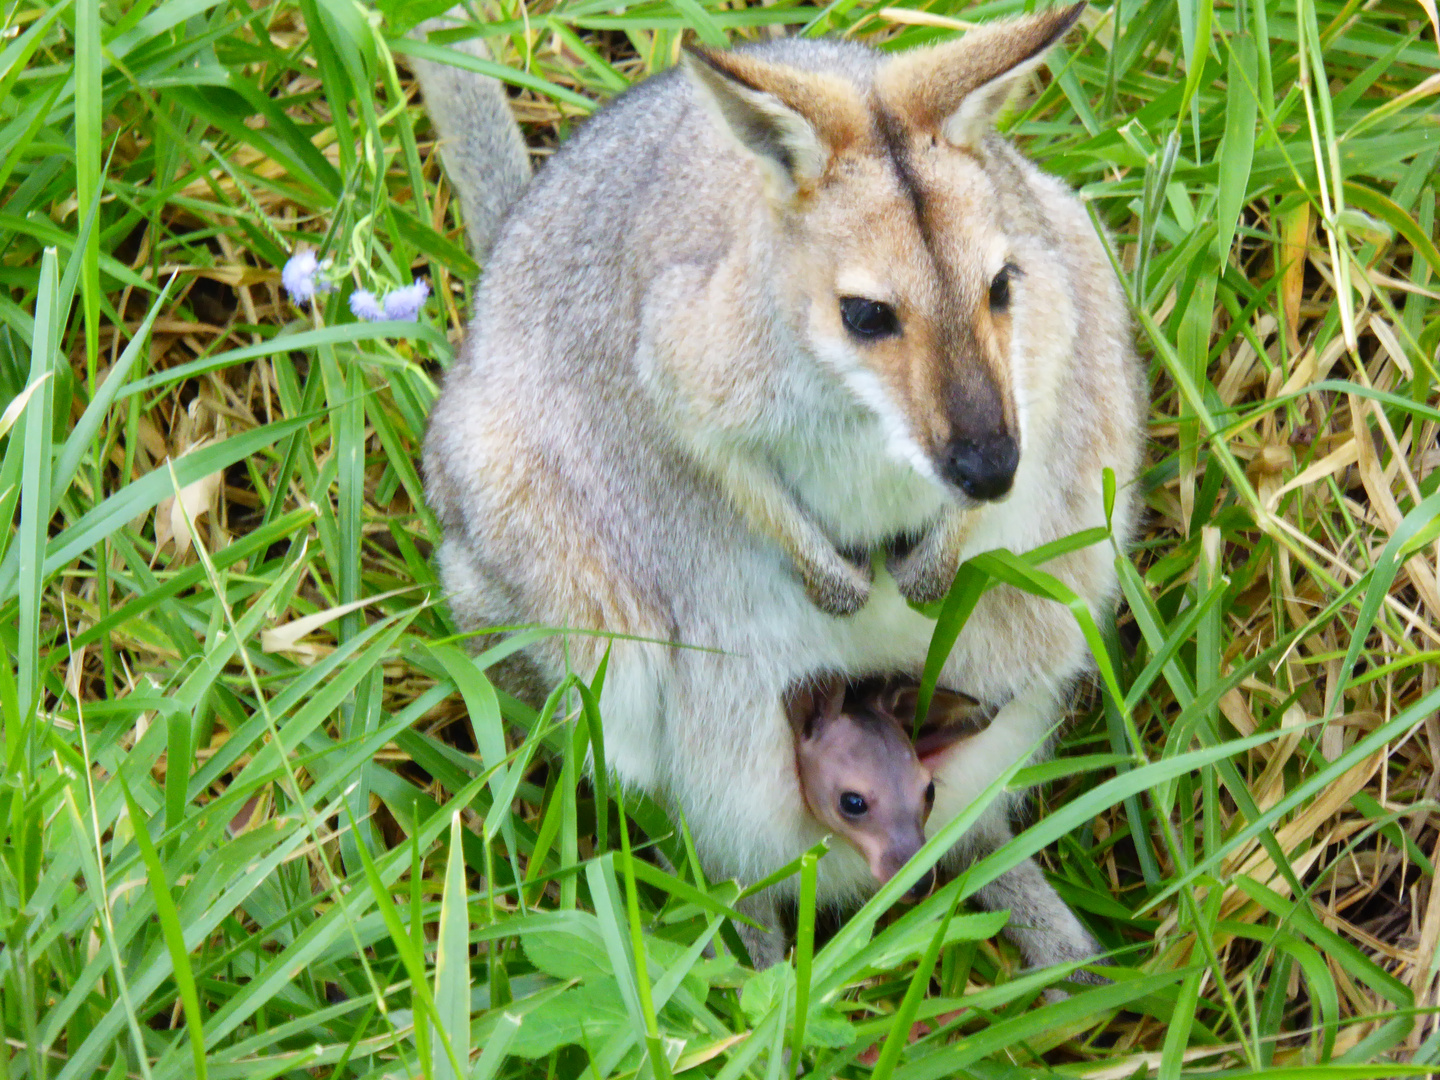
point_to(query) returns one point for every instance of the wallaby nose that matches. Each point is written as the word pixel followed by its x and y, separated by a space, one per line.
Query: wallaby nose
pixel 982 468
pixel 921 888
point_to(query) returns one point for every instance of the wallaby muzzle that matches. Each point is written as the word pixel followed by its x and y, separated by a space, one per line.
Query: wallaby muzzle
pixel 984 467
pixel 893 859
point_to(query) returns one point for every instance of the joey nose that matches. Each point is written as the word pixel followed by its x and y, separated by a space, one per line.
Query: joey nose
pixel 921 888
pixel 984 467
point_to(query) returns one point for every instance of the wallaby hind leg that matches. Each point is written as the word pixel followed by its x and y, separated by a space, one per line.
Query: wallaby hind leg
pixel 768 946
pixel 1041 924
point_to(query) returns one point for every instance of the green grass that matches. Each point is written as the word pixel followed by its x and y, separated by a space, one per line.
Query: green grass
pixel 236 844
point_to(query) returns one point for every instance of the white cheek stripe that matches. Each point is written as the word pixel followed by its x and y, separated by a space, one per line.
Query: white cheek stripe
pixel 856 281
pixel 866 387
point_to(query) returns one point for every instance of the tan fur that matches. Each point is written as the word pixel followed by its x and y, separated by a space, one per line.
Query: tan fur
pixel 667 420
pixel 927 87
pixel 828 106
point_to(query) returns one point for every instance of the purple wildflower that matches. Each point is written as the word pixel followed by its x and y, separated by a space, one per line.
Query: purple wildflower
pixel 364 306
pixel 406 302
pixel 299 277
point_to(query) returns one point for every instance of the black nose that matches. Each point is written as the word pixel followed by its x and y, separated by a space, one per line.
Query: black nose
pixel 921 888
pixel 982 468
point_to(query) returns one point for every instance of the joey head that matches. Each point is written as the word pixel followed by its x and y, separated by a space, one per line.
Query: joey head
pixel 861 772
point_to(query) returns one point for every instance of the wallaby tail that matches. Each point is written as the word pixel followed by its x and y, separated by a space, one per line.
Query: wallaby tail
pixel 480 143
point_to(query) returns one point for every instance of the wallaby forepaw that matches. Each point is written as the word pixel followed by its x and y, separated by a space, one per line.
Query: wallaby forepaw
pixel 841 588
pixel 922 575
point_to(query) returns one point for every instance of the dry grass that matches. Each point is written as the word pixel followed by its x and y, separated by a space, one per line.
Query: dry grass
pixel 1275 902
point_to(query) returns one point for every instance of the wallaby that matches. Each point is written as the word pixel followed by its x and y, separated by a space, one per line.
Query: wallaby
pixel 862 775
pixel 786 313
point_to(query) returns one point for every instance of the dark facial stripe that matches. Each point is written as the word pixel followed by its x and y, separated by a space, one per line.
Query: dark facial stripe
pixel 976 402
pixel 892 137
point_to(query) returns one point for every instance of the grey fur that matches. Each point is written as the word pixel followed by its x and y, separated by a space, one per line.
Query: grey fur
pixel 480 144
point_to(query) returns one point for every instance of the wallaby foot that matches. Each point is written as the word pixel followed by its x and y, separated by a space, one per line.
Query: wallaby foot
pixel 1041 924
pixel 769 945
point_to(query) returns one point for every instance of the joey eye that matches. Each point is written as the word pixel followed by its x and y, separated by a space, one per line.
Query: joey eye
pixel 853 804
pixel 930 793
pixel 1000 288
pixel 868 319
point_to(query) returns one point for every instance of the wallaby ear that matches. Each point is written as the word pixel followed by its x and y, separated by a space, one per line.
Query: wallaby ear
pixel 812 703
pixel 794 122
pixel 894 700
pixel 952 710
pixel 955 90
pixel 898 702
pixel 948 708
pixel 953 716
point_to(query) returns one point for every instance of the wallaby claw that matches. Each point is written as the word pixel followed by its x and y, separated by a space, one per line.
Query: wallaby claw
pixel 840 588
pixel 924 573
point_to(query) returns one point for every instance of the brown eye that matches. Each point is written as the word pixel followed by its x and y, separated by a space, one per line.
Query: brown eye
pixel 930 793
pixel 1000 288
pixel 868 319
pixel 853 804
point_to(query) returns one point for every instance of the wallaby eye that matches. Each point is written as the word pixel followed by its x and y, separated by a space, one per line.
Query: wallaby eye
pixel 853 804
pixel 1000 288
pixel 930 793
pixel 869 319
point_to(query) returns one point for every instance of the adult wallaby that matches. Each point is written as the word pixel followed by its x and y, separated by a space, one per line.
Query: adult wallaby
pixel 762 323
